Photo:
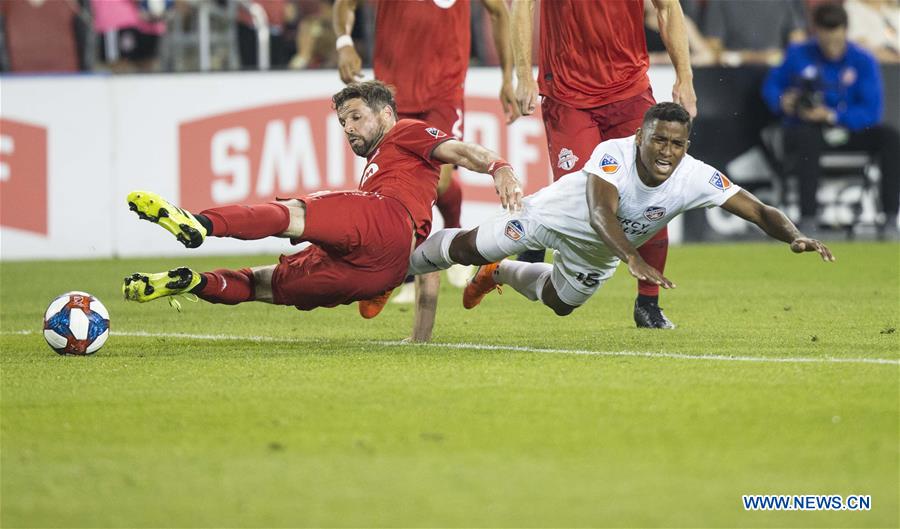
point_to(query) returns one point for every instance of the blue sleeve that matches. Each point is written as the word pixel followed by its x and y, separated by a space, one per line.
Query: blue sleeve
pixel 779 80
pixel 864 101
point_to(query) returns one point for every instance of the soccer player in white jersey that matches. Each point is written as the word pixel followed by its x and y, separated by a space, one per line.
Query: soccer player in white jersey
pixel 595 218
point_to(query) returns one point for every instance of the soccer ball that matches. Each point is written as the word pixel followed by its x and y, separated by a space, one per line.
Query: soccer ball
pixel 76 323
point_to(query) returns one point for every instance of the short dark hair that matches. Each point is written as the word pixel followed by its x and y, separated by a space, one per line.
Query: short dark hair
pixel 374 93
pixel 830 16
pixel 667 112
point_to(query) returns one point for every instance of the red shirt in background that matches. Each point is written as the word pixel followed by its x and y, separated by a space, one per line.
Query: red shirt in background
pixel 402 168
pixel 422 49
pixel 592 53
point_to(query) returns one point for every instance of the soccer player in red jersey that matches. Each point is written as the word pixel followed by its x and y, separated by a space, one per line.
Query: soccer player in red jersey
pixel 361 240
pixel 422 49
pixel 593 78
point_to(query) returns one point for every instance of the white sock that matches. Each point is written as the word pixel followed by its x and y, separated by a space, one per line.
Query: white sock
pixel 433 254
pixel 527 279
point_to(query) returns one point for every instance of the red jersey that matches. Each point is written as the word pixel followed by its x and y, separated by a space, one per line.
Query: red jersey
pixel 402 168
pixel 422 49
pixel 592 53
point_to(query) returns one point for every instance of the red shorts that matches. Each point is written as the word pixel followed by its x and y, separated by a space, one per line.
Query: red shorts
pixel 360 248
pixel 447 116
pixel 573 133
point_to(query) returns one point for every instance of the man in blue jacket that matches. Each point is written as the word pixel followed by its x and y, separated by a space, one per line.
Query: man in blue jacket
pixel 830 94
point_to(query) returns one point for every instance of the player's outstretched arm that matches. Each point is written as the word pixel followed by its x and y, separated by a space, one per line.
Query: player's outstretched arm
pixel 349 62
pixel 673 31
pixel 476 158
pixel 522 26
pixel 603 203
pixel 775 223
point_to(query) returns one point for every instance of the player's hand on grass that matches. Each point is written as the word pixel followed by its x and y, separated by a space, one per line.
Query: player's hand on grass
pixel 510 105
pixel 349 64
pixel 526 95
pixel 643 271
pixel 508 188
pixel 804 244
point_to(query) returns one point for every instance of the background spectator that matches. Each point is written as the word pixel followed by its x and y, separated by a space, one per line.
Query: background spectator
pixel 752 32
pixel 701 53
pixel 128 37
pixel 873 24
pixel 829 92
pixel 315 36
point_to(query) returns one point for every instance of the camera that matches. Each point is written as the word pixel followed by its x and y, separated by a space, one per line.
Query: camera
pixel 809 95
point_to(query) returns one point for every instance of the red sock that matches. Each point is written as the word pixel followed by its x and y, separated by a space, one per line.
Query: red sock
pixel 654 252
pixel 248 222
pixel 449 204
pixel 228 287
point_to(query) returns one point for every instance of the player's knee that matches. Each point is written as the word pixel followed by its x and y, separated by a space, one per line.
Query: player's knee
pixel 550 297
pixel 464 250
pixel 563 310
pixel 262 283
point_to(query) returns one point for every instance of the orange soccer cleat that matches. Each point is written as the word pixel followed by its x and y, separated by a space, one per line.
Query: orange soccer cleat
pixel 480 285
pixel 369 308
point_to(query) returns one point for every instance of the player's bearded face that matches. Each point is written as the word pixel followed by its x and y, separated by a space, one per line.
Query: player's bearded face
pixel 363 126
pixel 661 146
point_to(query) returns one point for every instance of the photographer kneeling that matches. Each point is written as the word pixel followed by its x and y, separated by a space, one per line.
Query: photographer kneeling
pixel 830 94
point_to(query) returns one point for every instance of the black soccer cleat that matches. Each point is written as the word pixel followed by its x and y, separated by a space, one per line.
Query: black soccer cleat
pixel 650 316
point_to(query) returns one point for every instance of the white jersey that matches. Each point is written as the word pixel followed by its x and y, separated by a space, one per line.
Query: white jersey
pixel 643 211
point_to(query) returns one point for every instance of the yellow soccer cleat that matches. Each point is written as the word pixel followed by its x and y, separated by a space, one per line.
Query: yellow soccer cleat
pixel 180 223
pixel 147 287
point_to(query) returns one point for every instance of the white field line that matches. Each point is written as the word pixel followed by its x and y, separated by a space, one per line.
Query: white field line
pixel 514 348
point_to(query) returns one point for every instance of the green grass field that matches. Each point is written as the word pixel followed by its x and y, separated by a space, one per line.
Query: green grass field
pixel 257 416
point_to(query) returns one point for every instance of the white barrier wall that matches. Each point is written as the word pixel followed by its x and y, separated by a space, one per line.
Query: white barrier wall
pixel 72 147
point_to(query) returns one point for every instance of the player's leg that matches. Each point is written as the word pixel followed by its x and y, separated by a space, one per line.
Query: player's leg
pixel 571 137
pixel 489 244
pixel 562 286
pixel 283 219
pixel 223 286
pixel 619 120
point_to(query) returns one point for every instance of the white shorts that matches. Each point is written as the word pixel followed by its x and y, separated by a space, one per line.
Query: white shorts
pixel 578 271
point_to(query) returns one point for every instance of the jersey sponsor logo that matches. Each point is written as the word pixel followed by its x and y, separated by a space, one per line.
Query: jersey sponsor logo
pixel 654 213
pixel 608 164
pixel 720 181
pixel 437 133
pixel 566 159
pixel 371 169
pixel 633 227
pixel 515 230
